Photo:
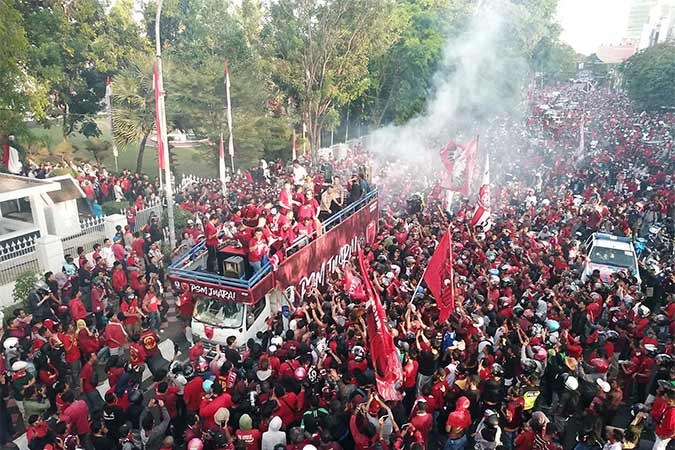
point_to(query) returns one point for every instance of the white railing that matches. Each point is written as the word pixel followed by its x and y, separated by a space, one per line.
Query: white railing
pixel 16 257
pixel 154 208
pixel 92 231
pixel 187 180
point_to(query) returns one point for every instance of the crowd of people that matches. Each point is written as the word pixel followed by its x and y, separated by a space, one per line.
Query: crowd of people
pixel 532 358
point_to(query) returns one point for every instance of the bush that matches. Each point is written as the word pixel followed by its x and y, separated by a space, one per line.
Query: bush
pixel 180 218
pixel 24 284
pixel 112 207
pixel 64 171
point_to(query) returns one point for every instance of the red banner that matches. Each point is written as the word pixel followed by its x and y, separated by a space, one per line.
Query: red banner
pixel 385 355
pixel 226 294
pixel 312 264
pixel 439 277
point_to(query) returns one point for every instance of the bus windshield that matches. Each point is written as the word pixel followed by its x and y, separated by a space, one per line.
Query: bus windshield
pixel 219 313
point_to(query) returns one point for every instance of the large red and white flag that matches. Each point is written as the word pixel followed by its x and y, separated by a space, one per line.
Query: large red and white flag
pixel 221 163
pixel 384 354
pixel 158 124
pixel 481 215
pixel 458 161
pixel 440 278
pixel 11 160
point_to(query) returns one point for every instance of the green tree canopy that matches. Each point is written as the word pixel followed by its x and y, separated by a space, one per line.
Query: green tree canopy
pixel 649 77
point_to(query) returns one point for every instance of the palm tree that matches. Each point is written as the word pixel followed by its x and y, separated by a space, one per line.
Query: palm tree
pixel 134 106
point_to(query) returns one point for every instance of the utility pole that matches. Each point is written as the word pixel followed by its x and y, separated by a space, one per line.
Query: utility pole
pixel 162 117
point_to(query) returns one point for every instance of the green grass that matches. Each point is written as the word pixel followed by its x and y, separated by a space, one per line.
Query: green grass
pixel 188 160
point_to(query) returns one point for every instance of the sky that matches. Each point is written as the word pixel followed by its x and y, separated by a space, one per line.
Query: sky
pixel 588 23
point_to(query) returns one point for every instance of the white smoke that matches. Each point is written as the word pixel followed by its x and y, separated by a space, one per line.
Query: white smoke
pixel 478 78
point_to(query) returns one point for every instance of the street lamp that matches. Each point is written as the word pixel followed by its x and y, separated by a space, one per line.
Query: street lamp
pixel 162 118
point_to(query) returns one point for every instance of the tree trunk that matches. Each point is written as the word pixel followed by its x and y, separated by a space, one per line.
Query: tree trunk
pixel 141 152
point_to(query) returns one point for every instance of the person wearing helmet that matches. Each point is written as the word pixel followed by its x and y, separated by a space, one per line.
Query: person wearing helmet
pixel 488 435
pixel 40 301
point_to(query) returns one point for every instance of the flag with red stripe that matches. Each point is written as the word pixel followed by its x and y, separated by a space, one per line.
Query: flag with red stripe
pixel 160 142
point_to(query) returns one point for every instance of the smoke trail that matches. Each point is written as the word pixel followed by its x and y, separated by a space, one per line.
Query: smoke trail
pixel 480 76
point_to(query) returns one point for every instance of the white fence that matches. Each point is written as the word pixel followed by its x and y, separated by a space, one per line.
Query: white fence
pixel 92 232
pixel 143 216
pixel 17 256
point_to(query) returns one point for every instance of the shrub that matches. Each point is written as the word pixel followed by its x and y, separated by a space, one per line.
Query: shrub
pixel 112 207
pixel 24 284
pixel 180 218
pixel 64 171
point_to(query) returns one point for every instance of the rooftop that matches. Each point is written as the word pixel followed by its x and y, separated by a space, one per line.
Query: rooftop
pixel 13 187
pixel 70 189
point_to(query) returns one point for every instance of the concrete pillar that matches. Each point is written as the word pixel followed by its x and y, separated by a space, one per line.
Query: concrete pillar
pixel 111 222
pixel 49 249
pixel 37 208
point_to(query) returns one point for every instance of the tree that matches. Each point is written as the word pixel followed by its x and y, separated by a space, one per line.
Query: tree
pixel 555 59
pixel 649 77
pixel 74 47
pixel 201 36
pixel 321 51
pixel 20 92
pixel 134 106
pixel 402 77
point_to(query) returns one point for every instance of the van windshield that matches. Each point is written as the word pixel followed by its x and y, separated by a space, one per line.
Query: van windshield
pixel 613 257
pixel 219 313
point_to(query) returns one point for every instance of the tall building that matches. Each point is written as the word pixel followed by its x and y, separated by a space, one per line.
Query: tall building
pixel 638 17
pixel 660 25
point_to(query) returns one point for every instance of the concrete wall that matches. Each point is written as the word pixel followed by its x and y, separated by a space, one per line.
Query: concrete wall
pixel 63 219
pixel 6 299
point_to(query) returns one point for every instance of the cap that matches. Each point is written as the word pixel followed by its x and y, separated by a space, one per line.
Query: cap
pixel 603 385
pixel 206 385
pixel 19 365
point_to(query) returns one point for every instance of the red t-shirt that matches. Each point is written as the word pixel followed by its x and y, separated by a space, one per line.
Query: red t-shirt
pixel 257 249
pixel 423 423
pixel 252 438
pixel 666 425
pixel 85 375
pixel 210 233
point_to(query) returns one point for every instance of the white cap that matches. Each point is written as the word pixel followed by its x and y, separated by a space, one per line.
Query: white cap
pixel 19 365
pixel 571 383
pixel 10 342
pixel 603 385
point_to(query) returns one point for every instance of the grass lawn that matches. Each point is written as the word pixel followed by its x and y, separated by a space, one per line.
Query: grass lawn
pixel 188 160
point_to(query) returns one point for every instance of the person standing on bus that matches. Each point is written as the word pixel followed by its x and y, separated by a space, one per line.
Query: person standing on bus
pixel 211 233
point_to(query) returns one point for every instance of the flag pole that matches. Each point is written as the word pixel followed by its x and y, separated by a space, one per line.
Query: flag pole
pixel 162 115
pixel 419 283
pixel 229 116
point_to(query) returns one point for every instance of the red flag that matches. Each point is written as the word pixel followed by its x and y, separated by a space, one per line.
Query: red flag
pixel 458 161
pixel 160 142
pixel 439 277
pixel 385 355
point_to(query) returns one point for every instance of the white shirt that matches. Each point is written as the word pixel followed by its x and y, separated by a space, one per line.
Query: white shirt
pixel 299 174
pixel 108 256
